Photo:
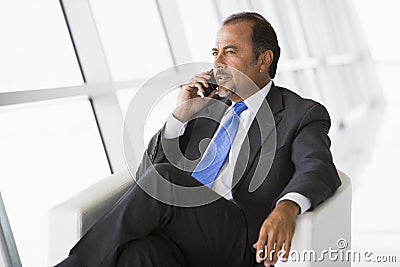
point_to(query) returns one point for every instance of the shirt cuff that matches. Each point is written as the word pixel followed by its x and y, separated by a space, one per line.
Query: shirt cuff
pixel 303 202
pixel 173 128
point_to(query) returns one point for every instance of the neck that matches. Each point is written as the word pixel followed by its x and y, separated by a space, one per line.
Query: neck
pixel 263 83
pixel 244 95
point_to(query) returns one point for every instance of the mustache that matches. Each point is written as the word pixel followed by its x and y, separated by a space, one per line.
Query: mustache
pixel 222 72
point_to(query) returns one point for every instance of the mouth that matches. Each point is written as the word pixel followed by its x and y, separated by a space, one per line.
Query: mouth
pixel 222 77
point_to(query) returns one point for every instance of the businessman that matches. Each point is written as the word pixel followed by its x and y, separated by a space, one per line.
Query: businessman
pixel 240 226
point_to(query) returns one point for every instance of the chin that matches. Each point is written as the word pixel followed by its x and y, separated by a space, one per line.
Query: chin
pixel 224 92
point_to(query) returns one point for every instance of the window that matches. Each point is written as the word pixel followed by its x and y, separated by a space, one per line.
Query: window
pixel 228 7
pixel 35 49
pixel 292 29
pixel 50 150
pixel 133 38
pixel 200 32
pixel 159 113
pixel 270 11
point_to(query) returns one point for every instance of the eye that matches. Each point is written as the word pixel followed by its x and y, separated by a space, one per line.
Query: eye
pixel 230 52
pixel 214 53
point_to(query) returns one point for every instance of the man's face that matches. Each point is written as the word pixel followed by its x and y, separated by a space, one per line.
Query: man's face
pixel 234 48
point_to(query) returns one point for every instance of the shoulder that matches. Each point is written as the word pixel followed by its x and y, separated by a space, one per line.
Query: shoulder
pixel 296 105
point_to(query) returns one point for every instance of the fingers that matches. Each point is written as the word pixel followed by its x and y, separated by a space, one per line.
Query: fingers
pixel 268 249
pixel 201 78
pixel 194 87
pixel 271 252
pixel 197 84
pixel 191 98
pixel 200 81
pixel 275 253
pixel 275 237
pixel 287 247
pixel 260 246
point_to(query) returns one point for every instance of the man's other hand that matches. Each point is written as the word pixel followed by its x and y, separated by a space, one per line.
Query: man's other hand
pixel 276 233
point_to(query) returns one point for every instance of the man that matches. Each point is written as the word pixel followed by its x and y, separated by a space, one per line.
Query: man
pixel 241 225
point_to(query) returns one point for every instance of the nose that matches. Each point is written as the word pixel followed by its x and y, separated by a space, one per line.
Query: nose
pixel 219 68
pixel 219 61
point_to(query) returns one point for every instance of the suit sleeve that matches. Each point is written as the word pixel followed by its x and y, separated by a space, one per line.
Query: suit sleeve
pixel 154 154
pixel 162 149
pixel 315 174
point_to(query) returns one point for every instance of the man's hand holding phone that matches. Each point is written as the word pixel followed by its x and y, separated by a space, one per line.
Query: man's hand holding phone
pixel 194 96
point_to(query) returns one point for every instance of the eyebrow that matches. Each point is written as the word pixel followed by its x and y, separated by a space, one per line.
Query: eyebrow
pixel 225 48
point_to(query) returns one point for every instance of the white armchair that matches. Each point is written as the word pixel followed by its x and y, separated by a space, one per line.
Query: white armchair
pixel 317 230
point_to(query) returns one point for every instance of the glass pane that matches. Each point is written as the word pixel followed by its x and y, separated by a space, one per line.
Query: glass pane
pixel 133 38
pixel 332 91
pixel 381 37
pixel 316 28
pixel 307 83
pixel 270 11
pixel 228 7
pixel 200 33
pixel 343 30
pixel 292 28
pixel 159 113
pixel 35 48
pixel 49 151
pixel 288 80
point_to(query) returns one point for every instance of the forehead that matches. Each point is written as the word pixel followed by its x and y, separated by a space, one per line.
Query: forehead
pixel 236 33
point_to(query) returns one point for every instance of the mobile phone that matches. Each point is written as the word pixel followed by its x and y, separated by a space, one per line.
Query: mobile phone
pixel 212 84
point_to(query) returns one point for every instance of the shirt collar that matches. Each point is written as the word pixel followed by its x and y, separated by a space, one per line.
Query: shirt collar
pixel 255 101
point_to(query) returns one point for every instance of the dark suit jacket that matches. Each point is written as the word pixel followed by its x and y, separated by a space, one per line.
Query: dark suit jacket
pixel 302 161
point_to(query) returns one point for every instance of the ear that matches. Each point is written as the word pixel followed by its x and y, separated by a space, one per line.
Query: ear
pixel 265 60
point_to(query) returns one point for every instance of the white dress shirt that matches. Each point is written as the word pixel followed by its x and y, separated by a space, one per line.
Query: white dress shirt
pixel 223 183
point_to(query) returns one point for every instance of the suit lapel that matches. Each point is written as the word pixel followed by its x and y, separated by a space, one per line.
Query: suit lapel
pixel 261 139
pixel 275 101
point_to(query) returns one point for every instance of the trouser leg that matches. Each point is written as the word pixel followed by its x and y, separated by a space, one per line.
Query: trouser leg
pixel 154 250
pixel 215 232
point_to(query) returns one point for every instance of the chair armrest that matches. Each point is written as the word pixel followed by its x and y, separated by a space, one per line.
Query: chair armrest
pixel 71 219
pixel 321 228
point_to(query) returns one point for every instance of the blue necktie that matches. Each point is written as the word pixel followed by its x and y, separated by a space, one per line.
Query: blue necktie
pixel 209 166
